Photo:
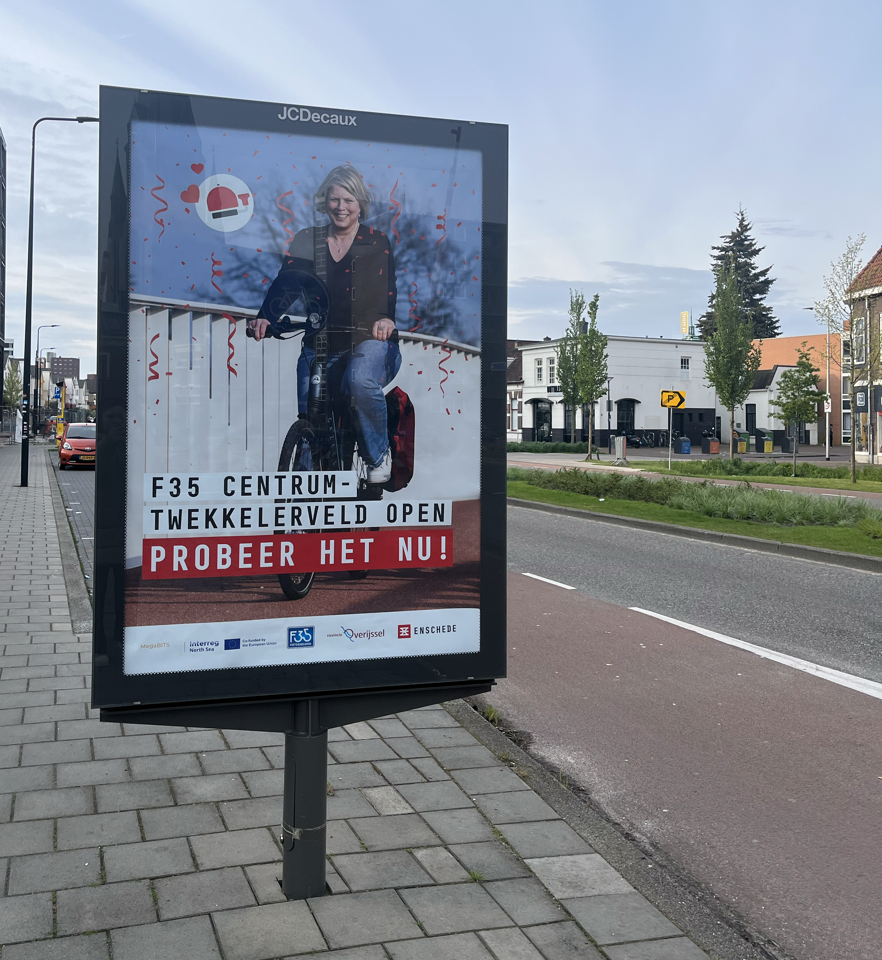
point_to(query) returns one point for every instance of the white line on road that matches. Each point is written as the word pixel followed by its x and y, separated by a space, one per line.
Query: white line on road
pixel 861 684
pixel 554 583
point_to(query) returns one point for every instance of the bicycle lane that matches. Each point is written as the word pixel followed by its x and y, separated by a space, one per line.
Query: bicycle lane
pixel 760 781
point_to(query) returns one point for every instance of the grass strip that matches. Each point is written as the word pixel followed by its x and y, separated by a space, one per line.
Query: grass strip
pixel 823 483
pixel 847 539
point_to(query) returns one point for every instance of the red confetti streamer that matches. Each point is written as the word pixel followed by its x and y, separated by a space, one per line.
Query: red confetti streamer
pixel 290 219
pixel 441 366
pixel 412 312
pixel 215 272
pixel 395 204
pixel 154 375
pixel 156 216
pixel 442 226
pixel 230 345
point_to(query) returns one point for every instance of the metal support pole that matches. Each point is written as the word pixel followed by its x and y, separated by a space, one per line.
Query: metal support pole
pixel 304 815
pixel 829 402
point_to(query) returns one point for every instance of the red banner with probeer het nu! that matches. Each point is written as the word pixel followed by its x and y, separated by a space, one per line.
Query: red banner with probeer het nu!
pixel 385 549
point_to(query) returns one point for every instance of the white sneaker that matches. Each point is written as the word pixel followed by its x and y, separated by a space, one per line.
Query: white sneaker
pixel 382 472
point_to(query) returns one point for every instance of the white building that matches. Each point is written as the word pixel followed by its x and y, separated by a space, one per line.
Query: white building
pixel 640 368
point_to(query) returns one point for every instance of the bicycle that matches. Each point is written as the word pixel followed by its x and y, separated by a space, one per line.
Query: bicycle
pixel 322 439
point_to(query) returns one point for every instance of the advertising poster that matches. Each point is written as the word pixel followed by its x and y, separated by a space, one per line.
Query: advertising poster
pixel 304 403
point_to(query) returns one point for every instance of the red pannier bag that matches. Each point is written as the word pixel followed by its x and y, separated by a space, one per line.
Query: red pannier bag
pixel 401 426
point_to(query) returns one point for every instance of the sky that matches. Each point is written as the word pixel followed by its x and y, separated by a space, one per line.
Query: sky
pixel 637 130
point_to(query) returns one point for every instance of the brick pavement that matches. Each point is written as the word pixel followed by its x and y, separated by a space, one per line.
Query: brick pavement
pixel 134 842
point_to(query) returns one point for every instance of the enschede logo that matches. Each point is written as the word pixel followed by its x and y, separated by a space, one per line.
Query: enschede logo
pixel 404 631
pixel 301 637
pixel 305 115
pixel 203 646
pixel 353 635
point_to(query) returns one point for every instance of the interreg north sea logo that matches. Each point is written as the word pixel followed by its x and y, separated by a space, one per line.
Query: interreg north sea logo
pixel 234 644
pixel 203 646
pixel 353 635
pixel 301 636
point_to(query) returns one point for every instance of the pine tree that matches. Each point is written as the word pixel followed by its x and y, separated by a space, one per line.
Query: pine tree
pixel 738 252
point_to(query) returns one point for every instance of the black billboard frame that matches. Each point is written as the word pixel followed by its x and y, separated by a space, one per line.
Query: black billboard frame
pixel 321 696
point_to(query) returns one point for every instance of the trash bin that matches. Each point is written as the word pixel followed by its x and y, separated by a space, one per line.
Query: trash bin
pixel 742 443
pixel 764 443
pixel 710 445
pixel 787 445
pixel 683 445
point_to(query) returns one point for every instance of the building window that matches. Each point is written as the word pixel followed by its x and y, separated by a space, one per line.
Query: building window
pixel 539 370
pixel 846 386
pixel 684 368
pixel 551 366
pixel 750 417
pixel 860 340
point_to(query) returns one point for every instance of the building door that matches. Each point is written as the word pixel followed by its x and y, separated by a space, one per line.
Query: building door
pixel 678 421
pixel 625 417
pixel 542 420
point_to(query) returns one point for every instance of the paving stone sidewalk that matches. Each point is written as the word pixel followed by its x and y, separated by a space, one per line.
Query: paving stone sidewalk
pixel 137 842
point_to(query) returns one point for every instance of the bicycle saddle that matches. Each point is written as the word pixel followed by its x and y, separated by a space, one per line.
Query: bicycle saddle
pixel 297 302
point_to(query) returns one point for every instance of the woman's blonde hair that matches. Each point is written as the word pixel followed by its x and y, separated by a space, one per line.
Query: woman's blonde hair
pixel 350 180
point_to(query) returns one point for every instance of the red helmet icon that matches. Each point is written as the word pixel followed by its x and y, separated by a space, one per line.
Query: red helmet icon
pixel 222 202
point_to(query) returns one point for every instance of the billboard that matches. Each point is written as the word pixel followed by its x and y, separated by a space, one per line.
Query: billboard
pixel 300 482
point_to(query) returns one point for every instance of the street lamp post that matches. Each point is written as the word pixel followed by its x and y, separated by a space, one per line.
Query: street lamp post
pixel 26 386
pixel 609 381
pixel 38 386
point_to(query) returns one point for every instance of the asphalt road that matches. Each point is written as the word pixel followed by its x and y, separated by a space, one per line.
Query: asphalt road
pixel 759 781
pixel 818 612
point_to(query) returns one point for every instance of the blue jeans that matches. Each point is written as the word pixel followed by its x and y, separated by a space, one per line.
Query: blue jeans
pixel 357 376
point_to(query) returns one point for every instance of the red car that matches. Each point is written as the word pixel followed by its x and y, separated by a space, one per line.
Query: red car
pixel 78 445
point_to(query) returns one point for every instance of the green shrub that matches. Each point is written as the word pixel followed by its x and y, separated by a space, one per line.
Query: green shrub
pixel 526 447
pixel 741 502
pixel 871 527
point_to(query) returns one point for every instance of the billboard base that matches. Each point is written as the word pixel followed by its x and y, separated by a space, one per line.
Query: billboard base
pixel 305 724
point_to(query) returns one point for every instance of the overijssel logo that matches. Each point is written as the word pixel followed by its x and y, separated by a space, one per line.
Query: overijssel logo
pixel 203 646
pixel 235 644
pixel 305 115
pixel 301 636
pixel 353 635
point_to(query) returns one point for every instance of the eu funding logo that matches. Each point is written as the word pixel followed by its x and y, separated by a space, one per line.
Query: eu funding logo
pixel 301 637
pixel 234 644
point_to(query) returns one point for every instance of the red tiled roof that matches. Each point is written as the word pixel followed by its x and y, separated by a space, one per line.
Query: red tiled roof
pixel 870 276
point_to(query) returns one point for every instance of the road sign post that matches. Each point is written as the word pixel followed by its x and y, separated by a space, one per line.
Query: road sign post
pixel 673 400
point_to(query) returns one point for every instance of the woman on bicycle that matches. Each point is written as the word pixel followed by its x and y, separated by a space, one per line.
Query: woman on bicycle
pixel 356 266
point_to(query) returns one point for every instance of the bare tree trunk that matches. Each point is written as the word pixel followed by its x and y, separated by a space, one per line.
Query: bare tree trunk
pixel 795 432
pixel 731 432
pixel 854 426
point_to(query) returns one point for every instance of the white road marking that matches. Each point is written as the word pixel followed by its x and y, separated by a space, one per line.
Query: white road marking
pixel 861 684
pixel 554 583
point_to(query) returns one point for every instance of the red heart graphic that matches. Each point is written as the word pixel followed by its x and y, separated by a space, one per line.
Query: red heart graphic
pixel 197 167
pixel 191 194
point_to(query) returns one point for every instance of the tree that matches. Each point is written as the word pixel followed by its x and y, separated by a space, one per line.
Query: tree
pixel 737 253
pixel 569 350
pixel 593 368
pixel 798 394
pixel 731 357
pixel 835 312
pixel 12 387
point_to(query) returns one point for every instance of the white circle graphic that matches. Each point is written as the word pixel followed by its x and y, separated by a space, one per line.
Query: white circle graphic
pixel 225 203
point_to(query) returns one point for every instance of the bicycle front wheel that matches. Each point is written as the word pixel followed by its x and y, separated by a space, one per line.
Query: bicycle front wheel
pixel 299 452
